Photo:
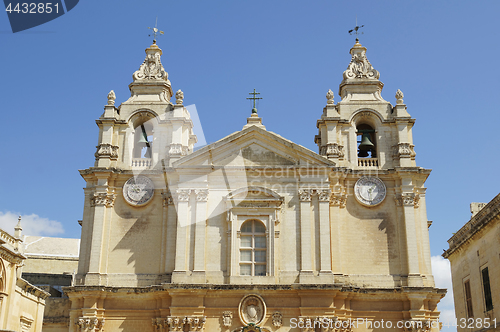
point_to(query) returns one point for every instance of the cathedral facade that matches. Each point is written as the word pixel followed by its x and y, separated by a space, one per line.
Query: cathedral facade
pixel 254 232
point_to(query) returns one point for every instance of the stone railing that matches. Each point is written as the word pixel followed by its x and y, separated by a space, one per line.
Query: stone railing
pixel 141 162
pixel 367 162
pixel 7 238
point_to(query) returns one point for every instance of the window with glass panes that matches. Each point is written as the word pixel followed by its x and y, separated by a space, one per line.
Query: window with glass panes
pixel 253 248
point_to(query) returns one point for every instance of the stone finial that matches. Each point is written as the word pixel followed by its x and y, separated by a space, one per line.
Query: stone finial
pixel 18 229
pixel 360 67
pixel 179 97
pixel 329 97
pixel 111 98
pixel 151 68
pixel 399 97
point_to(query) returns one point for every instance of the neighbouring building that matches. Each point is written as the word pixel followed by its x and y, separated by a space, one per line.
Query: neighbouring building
pixel 21 303
pixel 254 232
pixel 51 264
pixel 474 255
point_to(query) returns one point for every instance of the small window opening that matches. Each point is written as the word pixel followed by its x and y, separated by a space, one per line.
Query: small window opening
pixel 487 290
pixel 468 300
pixel 253 249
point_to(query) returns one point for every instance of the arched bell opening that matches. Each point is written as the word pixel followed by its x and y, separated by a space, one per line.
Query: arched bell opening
pixel 366 142
pixel 143 141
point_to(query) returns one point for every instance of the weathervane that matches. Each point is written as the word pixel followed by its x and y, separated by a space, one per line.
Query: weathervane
pixel 356 29
pixel 254 98
pixel 155 31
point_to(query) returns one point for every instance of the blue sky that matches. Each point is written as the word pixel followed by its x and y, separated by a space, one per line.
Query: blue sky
pixel 441 54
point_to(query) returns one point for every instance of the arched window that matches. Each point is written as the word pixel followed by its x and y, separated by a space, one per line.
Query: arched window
pixel 253 248
pixel 366 141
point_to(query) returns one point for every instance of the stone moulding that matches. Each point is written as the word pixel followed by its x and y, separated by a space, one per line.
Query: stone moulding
pixel 404 150
pixel 90 324
pixel 180 324
pixel 407 199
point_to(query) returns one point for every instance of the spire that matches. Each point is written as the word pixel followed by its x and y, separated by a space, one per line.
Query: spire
pixel 254 119
pixel 151 79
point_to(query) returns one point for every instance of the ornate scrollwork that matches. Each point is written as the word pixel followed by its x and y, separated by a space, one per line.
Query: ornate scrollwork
pixel 404 150
pixel 201 195
pixel 323 195
pixel 105 150
pixel 175 324
pixel 407 199
pixel 360 67
pixel 151 68
pixel 107 199
pixel 195 324
pixel 252 310
pixel 177 149
pixel 159 324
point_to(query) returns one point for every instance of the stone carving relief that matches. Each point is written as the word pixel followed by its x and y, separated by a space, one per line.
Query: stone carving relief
pixel 159 324
pixel 277 319
pixel 103 199
pixel 360 67
pixel 179 97
pixel 305 195
pixel 407 199
pixel 323 195
pixel 105 150
pixel 183 194
pixel 175 324
pixel 404 150
pixel 138 190
pixel 151 68
pixel 227 318
pixel 252 309
pixel 90 324
pixel 329 97
pixel 201 195
pixel 177 149
pixel 111 98
pixel 334 150
pixel 338 199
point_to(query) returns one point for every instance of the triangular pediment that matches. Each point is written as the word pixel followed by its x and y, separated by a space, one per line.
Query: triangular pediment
pixel 253 147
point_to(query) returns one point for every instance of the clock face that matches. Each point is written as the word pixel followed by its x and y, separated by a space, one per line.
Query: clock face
pixel 369 191
pixel 138 190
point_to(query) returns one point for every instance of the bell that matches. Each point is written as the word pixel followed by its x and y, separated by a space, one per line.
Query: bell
pixel 142 140
pixel 365 145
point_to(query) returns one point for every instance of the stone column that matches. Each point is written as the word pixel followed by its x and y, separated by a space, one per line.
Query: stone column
pixel 324 231
pixel 305 231
pixel 337 202
pixel 408 201
pixel 200 234
pixel 183 196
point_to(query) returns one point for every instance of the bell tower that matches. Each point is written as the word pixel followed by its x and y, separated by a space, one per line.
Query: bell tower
pixel 363 130
pixel 144 135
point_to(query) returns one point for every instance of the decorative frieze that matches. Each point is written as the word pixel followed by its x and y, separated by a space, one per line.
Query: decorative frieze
pixel 159 324
pixel 334 150
pixel 305 195
pixel 175 149
pixel 175 324
pixel 195 324
pixel 407 199
pixel 90 324
pixel 105 150
pixel 106 199
pixel 227 318
pixel 404 150
pixel 278 317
